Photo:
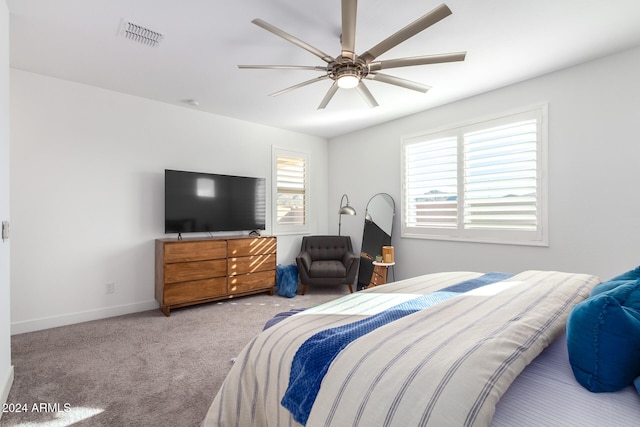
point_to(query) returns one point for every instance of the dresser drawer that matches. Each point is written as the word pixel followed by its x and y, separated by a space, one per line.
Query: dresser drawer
pixel 249 282
pixel 178 293
pixel 256 246
pixel 251 264
pixel 194 251
pixel 185 271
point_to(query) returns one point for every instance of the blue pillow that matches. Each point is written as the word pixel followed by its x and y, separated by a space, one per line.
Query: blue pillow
pixel 603 339
pixel 629 275
pixel 622 279
pixel 608 286
pixel 636 383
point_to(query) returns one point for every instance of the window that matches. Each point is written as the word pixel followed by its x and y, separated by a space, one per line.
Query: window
pixel 482 181
pixel 291 192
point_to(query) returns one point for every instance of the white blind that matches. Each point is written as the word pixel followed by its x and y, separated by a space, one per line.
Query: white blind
pixel 431 183
pixel 500 178
pixel 480 181
pixel 291 177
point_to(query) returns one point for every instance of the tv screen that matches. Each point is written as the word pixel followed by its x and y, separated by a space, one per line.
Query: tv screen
pixel 203 202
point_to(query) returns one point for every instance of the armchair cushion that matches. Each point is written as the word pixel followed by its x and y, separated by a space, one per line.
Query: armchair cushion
pixel 328 269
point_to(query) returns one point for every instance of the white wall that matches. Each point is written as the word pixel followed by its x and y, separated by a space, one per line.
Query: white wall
pixel 87 181
pixel 6 370
pixel 71 236
pixel 594 147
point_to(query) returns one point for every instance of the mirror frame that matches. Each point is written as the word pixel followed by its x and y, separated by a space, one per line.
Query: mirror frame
pixel 373 235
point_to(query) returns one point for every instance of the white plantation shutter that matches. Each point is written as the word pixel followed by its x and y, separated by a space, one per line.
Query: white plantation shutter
pixel 291 190
pixel 500 177
pixel 291 196
pixel 432 183
pixel 483 181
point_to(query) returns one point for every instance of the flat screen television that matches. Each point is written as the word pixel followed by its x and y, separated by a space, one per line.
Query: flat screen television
pixel 203 202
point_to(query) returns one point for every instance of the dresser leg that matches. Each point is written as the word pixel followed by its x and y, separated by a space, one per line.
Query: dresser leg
pixel 165 310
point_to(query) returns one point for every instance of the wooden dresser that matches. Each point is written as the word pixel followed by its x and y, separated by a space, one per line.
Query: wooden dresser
pixel 194 271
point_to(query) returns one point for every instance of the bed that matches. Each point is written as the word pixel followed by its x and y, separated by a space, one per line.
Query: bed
pixel 444 349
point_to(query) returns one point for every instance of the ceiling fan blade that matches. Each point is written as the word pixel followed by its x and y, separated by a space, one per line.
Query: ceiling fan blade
pixel 288 37
pixel 283 67
pixel 407 84
pixel 332 91
pixel 407 32
pixel 366 95
pixel 299 85
pixel 348 37
pixel 417 60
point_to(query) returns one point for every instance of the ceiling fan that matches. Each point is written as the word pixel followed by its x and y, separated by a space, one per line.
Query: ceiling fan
pixel 349 70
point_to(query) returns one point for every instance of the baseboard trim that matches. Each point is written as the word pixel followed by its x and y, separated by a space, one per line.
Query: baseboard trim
pixel 6 387
pixel 80 317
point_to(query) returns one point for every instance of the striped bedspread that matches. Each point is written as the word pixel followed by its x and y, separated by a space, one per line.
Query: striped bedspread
pixel 314 357
pixel 446 365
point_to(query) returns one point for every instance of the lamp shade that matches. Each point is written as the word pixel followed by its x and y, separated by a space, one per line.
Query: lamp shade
pixel 347 210
pixel 344 210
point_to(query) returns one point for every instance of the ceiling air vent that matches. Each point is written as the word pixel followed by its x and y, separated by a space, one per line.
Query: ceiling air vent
pixel 140 34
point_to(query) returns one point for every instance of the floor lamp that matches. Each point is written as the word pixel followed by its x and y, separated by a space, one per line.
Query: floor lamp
pixel 344 210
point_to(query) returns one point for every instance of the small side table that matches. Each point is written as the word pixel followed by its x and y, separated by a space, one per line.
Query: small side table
pixel 380 270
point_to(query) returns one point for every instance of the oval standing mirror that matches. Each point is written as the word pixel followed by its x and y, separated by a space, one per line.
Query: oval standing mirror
pixel 378 226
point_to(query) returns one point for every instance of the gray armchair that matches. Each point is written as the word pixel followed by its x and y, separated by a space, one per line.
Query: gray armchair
pixel 327 260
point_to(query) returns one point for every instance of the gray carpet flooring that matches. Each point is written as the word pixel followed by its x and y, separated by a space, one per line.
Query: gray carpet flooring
pixel 142 369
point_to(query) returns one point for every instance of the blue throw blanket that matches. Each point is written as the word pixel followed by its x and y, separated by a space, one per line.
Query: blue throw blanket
pixel 312 360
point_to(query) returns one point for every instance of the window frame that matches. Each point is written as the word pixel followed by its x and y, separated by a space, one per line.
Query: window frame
pixel 284 229
pixel 539 237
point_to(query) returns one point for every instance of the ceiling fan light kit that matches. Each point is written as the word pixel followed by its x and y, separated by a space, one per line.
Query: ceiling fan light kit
pixel 348 81
pixel 348 70
pixel 347 75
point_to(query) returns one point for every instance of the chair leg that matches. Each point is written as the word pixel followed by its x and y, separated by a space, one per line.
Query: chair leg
pixel 304 289
pixel 350 288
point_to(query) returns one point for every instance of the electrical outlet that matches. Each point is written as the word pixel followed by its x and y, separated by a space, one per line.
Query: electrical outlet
pixel 110 288
pixel 5 230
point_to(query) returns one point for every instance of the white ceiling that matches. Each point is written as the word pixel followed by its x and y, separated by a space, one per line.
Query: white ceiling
pixel 204 40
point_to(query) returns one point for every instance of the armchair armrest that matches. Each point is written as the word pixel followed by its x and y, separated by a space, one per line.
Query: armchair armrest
pixel 306 260
pixel 348 259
